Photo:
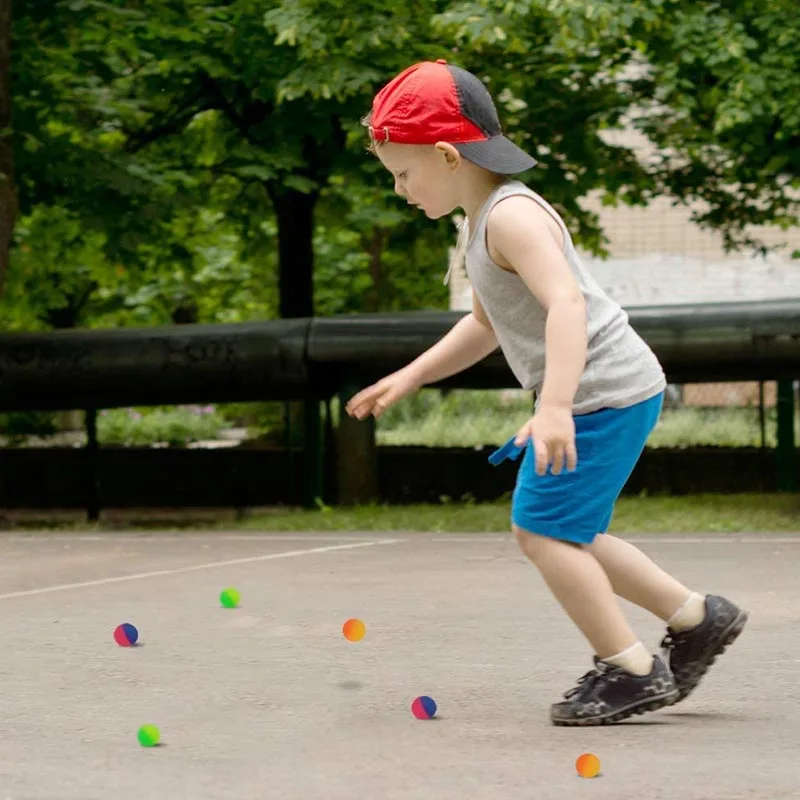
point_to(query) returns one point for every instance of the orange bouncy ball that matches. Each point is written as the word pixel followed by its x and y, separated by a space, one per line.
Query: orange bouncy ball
pixel 588 765
pixel 354 630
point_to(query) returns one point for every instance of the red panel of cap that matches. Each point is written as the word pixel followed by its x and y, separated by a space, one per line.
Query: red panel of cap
pixel 420 106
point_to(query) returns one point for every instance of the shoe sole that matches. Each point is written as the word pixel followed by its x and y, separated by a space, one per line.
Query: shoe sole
pixel 729 636
pixel 640 707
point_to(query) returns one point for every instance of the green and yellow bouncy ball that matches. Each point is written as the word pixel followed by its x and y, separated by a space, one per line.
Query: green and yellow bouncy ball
pixel 229 598
pixel 149 736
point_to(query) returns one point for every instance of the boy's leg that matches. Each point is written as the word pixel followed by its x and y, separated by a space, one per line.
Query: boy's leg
pixel 627 679
pixel 699 628
pixel 583 589
pixel 636 578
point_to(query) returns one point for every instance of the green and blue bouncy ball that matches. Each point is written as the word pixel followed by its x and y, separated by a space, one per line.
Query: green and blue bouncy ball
pixel 149 736
pixel 229 598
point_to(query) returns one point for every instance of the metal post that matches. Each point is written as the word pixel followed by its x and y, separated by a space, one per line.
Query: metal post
pixel 313 488
pixel 762 415
pixel 786 452
pixel 92 466
pixel 3 496
pixel 287 435
pixel 356 452
pixel 329 454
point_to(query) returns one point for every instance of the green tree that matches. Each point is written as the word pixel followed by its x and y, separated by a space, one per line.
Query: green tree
pixel 554 69
pixel 284 85
pixel 67 114
pixel 192 155
pixel 721 96
pixel 8 201
pixel 128 121
pixel 713 85
pixel 94 201
pixel 101 176
pixel 58 266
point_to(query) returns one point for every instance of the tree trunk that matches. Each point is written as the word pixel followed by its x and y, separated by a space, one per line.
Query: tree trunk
pixel 68 315
pixel 295 213
pixel 8 200
pixel 185 313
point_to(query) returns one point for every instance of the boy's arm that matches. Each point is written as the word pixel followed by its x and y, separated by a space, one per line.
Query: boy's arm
pixel 469 341
pixel 523 237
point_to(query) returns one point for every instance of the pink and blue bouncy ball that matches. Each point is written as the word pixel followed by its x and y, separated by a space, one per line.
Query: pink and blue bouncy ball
pixel 126 635
pixel 423 707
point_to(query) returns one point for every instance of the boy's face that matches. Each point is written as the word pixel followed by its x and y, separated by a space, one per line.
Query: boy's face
pixel 423 175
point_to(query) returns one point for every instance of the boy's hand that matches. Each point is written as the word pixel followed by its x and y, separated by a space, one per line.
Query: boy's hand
pixel 377 398
pixel 552 430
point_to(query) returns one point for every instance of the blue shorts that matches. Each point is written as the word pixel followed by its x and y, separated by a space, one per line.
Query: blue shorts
pixel 576 506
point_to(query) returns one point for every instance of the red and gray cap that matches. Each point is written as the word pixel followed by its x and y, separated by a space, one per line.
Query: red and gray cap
pixel 434 102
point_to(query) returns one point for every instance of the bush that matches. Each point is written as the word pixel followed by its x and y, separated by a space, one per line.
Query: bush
pixel 460 418
pixel 175 427
pixel 18 425
pixel 467 418
pixel 258 418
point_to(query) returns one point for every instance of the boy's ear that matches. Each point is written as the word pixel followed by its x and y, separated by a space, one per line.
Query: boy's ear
pixel 451 156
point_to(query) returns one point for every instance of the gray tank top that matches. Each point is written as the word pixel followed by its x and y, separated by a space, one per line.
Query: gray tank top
pixel 621 369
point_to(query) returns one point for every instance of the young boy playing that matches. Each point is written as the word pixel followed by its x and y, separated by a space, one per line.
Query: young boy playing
pixel 599 390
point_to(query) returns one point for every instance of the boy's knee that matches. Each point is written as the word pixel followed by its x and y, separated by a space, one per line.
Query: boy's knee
pixel 532 544
pixel 592 546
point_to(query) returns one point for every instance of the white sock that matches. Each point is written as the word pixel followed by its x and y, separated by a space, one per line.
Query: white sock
pixel 636 659
pixel 690 614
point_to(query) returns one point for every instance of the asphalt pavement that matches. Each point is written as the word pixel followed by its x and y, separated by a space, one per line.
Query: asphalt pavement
pixel 269 700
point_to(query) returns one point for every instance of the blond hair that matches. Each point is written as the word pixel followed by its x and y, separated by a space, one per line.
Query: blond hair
pixel 366 121
pixel 459 252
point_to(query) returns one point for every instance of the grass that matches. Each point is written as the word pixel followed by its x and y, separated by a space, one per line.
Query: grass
pixel 477 418
pixel 695 514
pixel 460 418
pixel 465 418
pixel 743 513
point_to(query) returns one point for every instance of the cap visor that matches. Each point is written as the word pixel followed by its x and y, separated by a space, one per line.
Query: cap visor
pixel 497 154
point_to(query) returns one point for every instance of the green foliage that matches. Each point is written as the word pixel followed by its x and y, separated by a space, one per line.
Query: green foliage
pixel 455 419
pixel 194 273
pixel 753 513
pixel 713 85
pixel 63 277
pixel 372 257
pixel 17 426
pixel 258 418
pixel 173 427
pixel 154 144
pixel 554 69
pixel 68 116
pixel 721 100
pixel 184 127
pixel 57 266
pixel 467 418
pixel 693 514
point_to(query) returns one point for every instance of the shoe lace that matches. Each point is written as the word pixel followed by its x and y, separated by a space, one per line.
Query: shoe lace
pixel 671 640
pixel 586 682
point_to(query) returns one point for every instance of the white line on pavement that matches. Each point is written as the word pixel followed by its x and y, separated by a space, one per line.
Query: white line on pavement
pixel 193 568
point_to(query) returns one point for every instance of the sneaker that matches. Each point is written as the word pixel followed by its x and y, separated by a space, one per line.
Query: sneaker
pixel 691 652
pixel 610 694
